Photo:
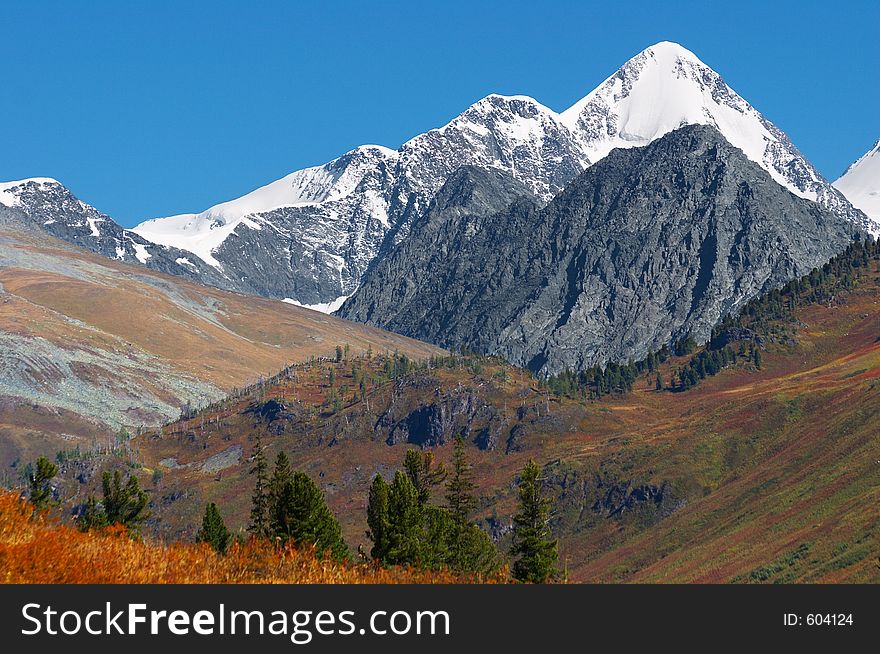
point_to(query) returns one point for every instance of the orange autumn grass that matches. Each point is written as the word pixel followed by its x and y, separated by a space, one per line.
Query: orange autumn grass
pixel 40 550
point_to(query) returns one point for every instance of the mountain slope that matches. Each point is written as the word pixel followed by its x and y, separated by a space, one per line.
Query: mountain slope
pixel 44 204
pixel 861 185
pixel 763 474
pixel 88 345
pixel 644 247
pixel 312 235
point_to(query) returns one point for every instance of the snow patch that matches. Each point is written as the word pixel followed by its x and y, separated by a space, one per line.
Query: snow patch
pixel 93 226
pixel 140 252
pixel 323 307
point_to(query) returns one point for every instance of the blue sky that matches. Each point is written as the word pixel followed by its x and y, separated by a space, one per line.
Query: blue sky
pixel 148 109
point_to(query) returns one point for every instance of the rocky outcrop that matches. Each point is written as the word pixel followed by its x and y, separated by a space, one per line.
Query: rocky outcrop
pixel 646 246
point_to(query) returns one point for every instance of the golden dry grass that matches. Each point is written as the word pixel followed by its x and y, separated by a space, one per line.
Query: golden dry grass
pixel 41 551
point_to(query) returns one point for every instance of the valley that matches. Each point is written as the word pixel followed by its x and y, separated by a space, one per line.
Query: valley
pixel 648 314
pixel 755 474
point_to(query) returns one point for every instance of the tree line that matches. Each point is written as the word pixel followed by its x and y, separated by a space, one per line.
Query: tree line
pixel 405 527
pixel 820 286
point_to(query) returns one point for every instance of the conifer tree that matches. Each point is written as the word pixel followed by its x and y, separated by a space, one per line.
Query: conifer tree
pixel 301 516
pixel 470 549
pixel 280 476
pixel 659 384
pixel 92 515
pixel 124 504
pixel 259 524
pixel 757 358
pixel 214 531
pixel 377 518
pixel 40 483
pixel 534 549
pixel 460 488
pixel 405 526
pixel 419 467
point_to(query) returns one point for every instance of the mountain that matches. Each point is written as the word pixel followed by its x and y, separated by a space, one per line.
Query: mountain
pixel 44 204
pixel 645 247
pixel 760 473
pixel 312 235
pixel 88 344
pixel 861 185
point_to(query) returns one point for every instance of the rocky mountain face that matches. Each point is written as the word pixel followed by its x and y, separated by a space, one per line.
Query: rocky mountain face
pixel 44 204
pixel 861 185
pixel 644 247
pixel 312 235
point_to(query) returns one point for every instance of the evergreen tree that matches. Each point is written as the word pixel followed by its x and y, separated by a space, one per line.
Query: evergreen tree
pixel 280 476
pixel 533 547
pixel 405 527
pixel 659 383
pixel 460 488
pixel 300 515
pixel 420 469
pixel 214 531
pixel 124 504
pixel 259 524
pixel 377 518
pixel 435 546
pixel 757 358
pixel 40 483
pixel 470 549
pixel 92 515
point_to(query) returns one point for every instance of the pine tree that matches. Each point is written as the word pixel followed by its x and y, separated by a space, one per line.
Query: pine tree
pixel 420 469
pixel 259 525
pixel 405 526
pixel 280 476
pixel 124 504
pixel 302 517
pixel 214 531
pixel 460 488
pixel 470 549
pixel 91 516
pixel 533 547
pixel 757 358
pixel 659 383
pixel 40 483
pixel 377 518
pixel 435 547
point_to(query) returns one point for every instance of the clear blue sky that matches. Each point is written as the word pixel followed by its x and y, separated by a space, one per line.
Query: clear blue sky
pixel 153 108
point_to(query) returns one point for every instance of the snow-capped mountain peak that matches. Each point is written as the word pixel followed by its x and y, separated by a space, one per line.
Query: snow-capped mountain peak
pixel 11 192
pixel 667 86
pixel 861 184
pixel 311 235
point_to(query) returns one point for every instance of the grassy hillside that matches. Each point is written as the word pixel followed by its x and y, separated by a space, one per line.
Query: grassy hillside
pixel 88 344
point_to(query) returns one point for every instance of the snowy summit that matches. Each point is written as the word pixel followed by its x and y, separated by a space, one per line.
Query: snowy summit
pixel 861 185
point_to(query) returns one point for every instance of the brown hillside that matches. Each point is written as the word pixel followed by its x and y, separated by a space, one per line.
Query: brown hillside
pixel 88 344
pixel 752 475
